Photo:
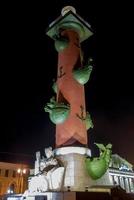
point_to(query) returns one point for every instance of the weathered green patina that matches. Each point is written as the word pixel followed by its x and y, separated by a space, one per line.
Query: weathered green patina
pixel 58 112
pixel 71 21
pixel 88 121
pixel 61 44
pixel 54 86
pixel 82 75
pixel 97 167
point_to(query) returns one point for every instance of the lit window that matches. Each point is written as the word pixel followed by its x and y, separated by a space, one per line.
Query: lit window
pixel 14 173
pixel 6 173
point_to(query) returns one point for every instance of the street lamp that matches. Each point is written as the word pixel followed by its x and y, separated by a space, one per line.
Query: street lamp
pixel 21 172
pixel 10 191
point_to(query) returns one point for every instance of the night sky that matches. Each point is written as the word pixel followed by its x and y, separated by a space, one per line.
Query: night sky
pixel 29 64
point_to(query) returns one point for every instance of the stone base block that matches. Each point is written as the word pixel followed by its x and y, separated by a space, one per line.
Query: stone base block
pixel 76 177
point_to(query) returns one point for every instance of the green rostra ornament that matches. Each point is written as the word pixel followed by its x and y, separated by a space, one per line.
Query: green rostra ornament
pixel 58 112
pixel 82 75
pixel 61 43
pixel 54 86
pixel 97 167
pixel 88 121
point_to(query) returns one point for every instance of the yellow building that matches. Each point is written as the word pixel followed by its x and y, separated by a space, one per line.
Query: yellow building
pixel 13 178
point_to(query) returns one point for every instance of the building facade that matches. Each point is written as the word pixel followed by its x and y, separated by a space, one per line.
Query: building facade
pixel 121 173
pixel 13 178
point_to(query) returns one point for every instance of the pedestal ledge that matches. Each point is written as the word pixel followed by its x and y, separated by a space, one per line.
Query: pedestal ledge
pixel 69 150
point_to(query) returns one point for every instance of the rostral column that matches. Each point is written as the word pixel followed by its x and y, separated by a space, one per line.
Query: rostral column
pixel 70 167
pixel 68 112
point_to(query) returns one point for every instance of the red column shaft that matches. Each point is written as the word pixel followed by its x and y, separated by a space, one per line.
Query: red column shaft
pixel 73 130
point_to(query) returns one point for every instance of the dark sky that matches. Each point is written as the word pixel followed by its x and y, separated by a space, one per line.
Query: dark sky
pixel 29 63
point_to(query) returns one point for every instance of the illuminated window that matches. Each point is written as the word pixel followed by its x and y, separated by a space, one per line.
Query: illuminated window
pixel 6 173
pixel 14 173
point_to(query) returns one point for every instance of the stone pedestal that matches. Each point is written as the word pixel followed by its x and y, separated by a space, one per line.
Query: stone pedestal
pixel 104 180
pixel 53 196
pixel 73 159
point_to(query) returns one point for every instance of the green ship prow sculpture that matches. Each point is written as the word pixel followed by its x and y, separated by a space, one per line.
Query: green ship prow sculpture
pixel 97 166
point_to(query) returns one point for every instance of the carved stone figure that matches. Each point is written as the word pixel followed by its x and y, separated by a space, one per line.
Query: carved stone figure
pixel 50 173
pixel 37 163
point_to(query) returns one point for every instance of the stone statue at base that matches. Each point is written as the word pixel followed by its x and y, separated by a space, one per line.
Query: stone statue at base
pixel 49 173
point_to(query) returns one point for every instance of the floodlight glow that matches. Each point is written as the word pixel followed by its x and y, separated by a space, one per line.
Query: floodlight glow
pixel 19 170
pixel 8 191
pixel 24 171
